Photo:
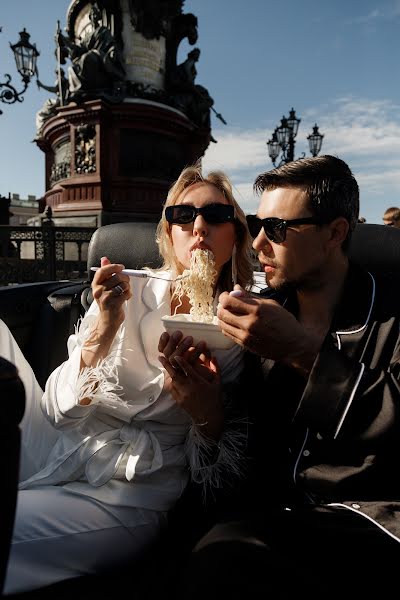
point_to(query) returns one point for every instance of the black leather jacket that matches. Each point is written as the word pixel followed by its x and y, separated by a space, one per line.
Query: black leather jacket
pixel 335 438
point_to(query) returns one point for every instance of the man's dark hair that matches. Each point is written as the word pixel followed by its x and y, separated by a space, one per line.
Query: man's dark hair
pixel 328 182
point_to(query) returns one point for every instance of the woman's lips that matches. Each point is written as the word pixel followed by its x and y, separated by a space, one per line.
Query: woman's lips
pixel 200 246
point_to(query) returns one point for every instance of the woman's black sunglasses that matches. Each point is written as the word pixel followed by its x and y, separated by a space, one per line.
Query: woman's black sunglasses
pixel 181 214
pixel 275 229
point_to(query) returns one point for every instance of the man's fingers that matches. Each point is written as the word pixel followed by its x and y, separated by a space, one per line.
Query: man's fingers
pixel 236 305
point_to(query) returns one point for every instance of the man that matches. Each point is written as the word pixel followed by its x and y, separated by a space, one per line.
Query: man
pixel 322 513
pixel 391 217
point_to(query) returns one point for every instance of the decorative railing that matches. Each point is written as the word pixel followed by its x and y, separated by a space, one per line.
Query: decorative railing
pixel 31 254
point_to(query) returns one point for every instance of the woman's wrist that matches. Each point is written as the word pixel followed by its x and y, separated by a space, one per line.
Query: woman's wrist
pixel 210 427
pixel 98 343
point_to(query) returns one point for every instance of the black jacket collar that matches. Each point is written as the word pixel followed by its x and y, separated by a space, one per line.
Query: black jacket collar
pixel 355 305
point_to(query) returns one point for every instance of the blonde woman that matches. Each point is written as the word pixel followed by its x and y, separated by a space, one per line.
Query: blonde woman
pixel 133 426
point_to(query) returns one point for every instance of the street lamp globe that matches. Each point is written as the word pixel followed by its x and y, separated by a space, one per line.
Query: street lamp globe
pixel 315 141
pixel 273 147
pixel 293 122
pixel 25 55
pixel 283 133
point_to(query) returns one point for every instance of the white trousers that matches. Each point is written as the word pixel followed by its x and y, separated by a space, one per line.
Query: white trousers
pixel 59 535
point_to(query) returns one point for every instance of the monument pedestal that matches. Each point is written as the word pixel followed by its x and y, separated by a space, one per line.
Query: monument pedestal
pixel 116 162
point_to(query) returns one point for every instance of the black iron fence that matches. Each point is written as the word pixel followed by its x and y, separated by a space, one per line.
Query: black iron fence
pixel 31 254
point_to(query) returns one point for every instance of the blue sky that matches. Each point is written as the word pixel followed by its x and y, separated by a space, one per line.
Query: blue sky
pixel 336 63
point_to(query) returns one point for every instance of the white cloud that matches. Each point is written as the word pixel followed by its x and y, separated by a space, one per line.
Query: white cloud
pixel 365 133
pixel 237 149
pixel 390 11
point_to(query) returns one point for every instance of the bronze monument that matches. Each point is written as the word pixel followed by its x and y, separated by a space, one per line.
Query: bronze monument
pixel 126 118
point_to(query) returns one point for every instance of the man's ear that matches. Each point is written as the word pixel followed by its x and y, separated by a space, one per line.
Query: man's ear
pixel 339 229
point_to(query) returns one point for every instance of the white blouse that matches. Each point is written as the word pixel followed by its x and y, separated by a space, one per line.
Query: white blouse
pixel 133 443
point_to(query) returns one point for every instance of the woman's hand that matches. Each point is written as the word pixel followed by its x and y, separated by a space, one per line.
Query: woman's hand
pixel 110 290
pixel 194 381
pixel 177 345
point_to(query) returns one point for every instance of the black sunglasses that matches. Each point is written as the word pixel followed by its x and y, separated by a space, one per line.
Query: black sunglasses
pixel 275 229
pixel 181 214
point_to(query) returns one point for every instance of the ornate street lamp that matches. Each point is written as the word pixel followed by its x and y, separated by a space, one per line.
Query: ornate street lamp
pixel 283 140
pixel 315 140
pixel 25 55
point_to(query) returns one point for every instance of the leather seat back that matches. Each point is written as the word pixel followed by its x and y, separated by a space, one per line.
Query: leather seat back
pixel 376 247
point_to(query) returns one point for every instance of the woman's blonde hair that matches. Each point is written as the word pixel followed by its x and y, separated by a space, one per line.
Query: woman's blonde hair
pixel 244 266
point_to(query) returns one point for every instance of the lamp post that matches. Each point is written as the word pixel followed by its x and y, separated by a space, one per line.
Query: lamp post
pixel 283 139
pixel 25 55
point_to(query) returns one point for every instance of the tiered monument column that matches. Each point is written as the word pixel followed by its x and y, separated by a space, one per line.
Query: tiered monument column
pixel 126 118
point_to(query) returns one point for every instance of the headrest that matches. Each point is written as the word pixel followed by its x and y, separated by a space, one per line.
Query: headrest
pixel 132 244
pixel 376 247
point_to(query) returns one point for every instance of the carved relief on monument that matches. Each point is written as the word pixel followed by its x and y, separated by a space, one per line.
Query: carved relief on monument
pixel 61 168
pixel 85 149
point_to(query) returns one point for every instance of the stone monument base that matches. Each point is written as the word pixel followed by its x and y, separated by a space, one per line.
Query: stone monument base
pixel 116 162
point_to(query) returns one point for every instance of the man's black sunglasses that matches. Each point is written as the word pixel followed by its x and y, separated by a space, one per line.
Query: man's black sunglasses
pixel 181 214
pixel 275 229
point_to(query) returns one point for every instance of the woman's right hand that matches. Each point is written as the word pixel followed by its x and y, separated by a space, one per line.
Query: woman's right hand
pixel 111 289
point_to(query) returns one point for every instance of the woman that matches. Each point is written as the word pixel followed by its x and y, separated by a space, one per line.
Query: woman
pixel 130 422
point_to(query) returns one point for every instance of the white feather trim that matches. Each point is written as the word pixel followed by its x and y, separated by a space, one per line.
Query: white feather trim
pixel 216 465
pixel 100 384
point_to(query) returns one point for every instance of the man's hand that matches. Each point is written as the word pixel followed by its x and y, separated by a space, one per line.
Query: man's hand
pixel 267 329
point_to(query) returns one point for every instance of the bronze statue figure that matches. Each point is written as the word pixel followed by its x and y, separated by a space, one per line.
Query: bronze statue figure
pixel 97 64
pixel 151 18
pixel 49 108
pixel 181 27
pixel 189 97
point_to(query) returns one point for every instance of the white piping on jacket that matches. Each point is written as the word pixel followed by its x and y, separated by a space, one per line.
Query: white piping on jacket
pixel 346 410
pixel 368 316
pixel 299 456
pixel 362 369
pixel 359 512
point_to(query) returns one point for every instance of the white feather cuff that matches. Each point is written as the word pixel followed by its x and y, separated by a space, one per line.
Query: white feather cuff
pixel 100 384
pixel 216 465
